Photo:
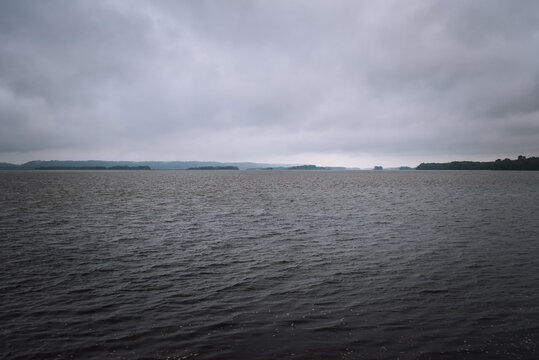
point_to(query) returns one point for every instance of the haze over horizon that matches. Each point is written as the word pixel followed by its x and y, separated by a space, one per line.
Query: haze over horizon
pixel 331 83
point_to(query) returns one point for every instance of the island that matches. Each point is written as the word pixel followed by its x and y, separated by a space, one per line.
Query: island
pixel 214 168
pixel 307 167
pixel 301 167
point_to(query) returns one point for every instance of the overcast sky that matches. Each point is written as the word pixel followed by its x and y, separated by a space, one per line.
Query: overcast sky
pixel 343 83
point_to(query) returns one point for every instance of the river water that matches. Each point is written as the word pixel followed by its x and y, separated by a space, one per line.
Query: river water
pixel 269 264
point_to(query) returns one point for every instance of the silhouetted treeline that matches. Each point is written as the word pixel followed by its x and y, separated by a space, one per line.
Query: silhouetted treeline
pixel 307 167
pixel 214 168
pixel 522 163
pixel 93 168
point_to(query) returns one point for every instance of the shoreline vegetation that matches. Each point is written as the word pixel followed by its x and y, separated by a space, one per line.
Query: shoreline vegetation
pixel 522 163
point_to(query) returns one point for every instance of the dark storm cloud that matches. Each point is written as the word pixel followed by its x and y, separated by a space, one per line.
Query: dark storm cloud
pixel 257 80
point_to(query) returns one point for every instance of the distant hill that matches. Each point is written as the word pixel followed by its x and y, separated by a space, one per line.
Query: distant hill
pixel 154 165
pixel 522 163
pixel 8 166
pixel 93 168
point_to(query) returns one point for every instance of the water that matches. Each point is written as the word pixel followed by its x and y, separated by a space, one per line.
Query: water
pixel 269 265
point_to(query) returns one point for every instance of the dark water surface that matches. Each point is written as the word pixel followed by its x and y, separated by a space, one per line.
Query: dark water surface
pixel 269 265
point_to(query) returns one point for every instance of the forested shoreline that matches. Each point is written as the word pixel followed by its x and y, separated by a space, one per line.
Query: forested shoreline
pixel 521 163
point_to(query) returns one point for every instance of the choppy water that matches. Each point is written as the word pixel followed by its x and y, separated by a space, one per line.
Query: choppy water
pixel 269 265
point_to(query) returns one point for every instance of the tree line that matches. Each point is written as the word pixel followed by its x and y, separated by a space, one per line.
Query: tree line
pixel 521 163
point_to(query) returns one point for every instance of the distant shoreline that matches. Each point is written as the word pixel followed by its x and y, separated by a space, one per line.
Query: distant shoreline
pixel 93 168
pixel 214 168
pixel 521 163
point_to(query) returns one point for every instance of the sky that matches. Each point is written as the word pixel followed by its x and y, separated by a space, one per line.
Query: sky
pixel 327 82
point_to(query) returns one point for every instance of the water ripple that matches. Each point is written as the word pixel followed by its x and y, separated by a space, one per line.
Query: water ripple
pixel 265 265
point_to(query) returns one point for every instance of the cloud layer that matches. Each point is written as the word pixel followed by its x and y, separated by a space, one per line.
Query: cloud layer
pixel 328 82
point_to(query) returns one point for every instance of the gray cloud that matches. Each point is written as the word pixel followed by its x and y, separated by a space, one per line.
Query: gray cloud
pixel 346 82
